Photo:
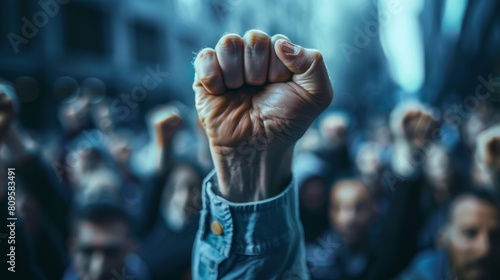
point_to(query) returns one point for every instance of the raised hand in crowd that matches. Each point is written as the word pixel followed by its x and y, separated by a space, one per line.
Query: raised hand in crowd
pixel 255 97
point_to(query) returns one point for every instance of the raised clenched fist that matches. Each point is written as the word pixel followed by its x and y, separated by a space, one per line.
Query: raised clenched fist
pixel 255 97
pixel 414 124
pixel 166 121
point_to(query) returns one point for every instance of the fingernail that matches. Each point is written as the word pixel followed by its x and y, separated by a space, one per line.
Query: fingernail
pixel 289 48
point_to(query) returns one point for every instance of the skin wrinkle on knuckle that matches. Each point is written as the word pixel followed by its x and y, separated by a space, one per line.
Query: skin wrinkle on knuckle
pixel 210 80
pixel 257 46
pixel 255 57
pixel 254 80
pixel 282 75
pixel 203 56
pixel 255 32
pixel 205 52
pixel 316 55
pixel 231 44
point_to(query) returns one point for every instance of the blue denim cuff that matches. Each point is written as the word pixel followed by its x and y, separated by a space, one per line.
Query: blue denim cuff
pixel 251 228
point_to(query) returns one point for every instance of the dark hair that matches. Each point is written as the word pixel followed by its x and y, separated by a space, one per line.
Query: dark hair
pixel 479 194
pixel 95 150
pixel 102 211
pixel 352 179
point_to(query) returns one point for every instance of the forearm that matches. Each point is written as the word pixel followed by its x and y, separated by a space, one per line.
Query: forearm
pixel 406 158
pixel 250 174
pixel 165 161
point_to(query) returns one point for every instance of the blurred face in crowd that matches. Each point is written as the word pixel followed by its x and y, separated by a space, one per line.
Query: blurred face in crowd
pixel 313 193
pixel 333 130
pixel 99 250
pixel 437 166
pixel 472 239
pixel 479 120
pixel 479 175
pixel 120 149
pixel 367 160
pixel 438 171
pixel 352 210
pixel 102 117
pixel 82 162
pixel 74 116
pixel 99 181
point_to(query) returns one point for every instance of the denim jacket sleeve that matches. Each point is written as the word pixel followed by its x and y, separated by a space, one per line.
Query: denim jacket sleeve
pixel 255 240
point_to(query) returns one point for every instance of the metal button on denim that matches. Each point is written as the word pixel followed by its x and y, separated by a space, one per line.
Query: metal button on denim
pixel 216 228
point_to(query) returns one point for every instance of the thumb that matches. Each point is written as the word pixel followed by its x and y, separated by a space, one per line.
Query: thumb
pixel 308 67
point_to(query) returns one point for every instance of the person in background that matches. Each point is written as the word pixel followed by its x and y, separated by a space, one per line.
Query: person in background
pixel 75 118
pixel 369 165
pixel 7 109
pixel 75 115
pixel 441 174
pixel 102 243
pixel 173 202
pixel 412 125
pixel 334 149
pixel 26 263
pixel 102 116
pixel 470 242
pixel 488 157
pixel 120 146
pixel 442 182
pixel 92 171
pixel 313 176
pixel 166 248
pixel 346 250
pixel 414 128
pixel 43 203
pixel 164 123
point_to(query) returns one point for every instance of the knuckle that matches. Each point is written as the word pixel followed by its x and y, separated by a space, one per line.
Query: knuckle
pixel 317 55
pixel 234 83
pixel 230 43
pixel 255 80
pixel 203 56
pixel 279 36
pixel 206 52
pixel 255 32
pixel 210 80
pixel 258 44
pixel 279 76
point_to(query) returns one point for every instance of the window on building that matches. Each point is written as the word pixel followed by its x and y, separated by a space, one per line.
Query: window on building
pixel 148 42
pixel 85 29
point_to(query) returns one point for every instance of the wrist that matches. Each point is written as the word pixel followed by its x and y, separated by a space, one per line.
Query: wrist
pixel 246 175
pixel 406 157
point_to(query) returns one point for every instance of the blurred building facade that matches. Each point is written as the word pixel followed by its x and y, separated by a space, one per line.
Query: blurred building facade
pixel 120 42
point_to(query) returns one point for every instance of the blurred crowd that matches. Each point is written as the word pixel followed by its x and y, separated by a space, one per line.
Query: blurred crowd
pixel 410 195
